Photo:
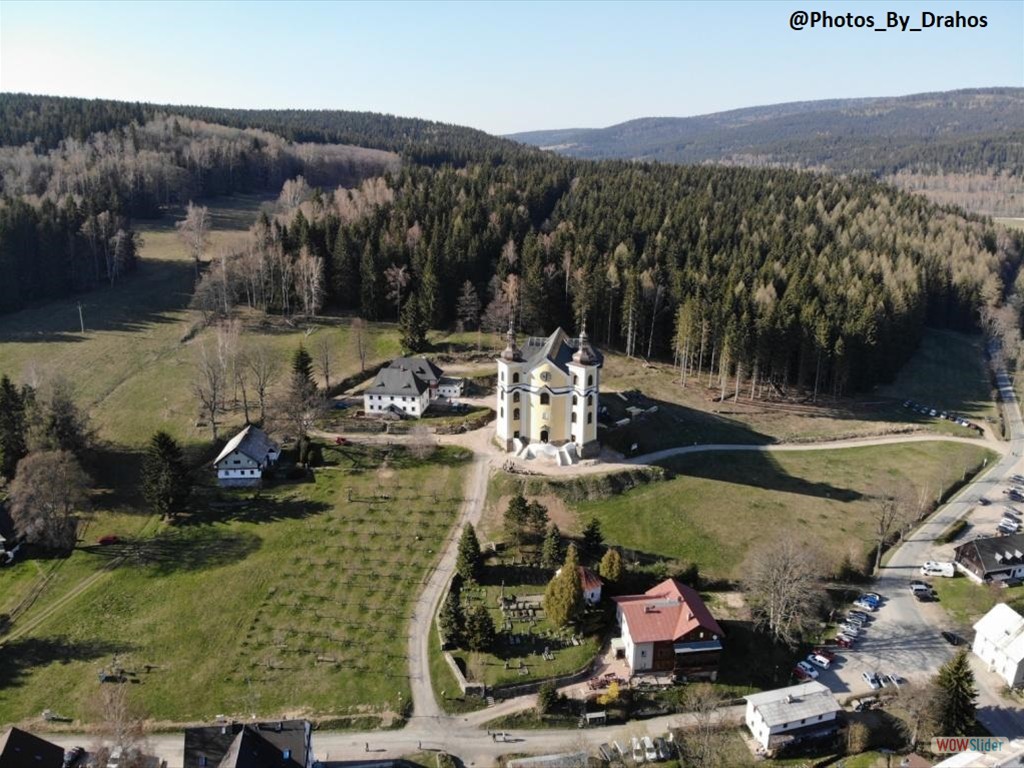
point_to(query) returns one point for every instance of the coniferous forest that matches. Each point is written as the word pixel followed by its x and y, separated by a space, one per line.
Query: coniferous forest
pixel 768 274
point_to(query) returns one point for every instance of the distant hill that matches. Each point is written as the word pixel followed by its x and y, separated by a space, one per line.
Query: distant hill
pixel 956 130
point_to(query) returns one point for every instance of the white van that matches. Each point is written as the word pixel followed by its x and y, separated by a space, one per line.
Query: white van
pixel 933 568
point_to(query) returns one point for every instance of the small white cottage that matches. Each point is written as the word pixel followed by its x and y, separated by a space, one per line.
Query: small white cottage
pixel 245 457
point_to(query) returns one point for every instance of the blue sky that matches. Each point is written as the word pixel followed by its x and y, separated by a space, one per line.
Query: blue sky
pixel 502 67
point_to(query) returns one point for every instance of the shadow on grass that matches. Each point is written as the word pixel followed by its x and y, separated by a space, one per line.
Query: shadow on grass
pixel 750 658
pixel 143 299
pixel 20 657
pixel 261 508
pixel 189 549
pixel 754 468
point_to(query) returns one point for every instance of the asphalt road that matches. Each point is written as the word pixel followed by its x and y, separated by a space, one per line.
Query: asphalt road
pixel 904 636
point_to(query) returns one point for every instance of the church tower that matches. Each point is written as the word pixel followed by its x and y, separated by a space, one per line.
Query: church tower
pixel 585 369
pixel 511 403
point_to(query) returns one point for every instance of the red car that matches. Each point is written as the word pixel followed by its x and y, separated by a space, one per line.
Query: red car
pixel 799 674
pixel 826 653
pixel 340 441
pixel 104 541
pixel 843 642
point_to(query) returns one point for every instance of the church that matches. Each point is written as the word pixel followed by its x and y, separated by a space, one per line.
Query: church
pixel 548 395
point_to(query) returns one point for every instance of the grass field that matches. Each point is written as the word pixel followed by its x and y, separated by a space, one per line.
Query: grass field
pixel 952 361
pixel 966 602
pixel 293 599
pixel 722 504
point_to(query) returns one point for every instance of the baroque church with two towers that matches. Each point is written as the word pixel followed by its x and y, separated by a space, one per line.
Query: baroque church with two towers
pixel 548 396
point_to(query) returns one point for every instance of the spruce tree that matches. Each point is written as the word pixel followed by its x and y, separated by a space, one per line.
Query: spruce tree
pixel 515 518
pixel 413 325
pixel 165 479
pixel 592 537
pixel 469 561
pixel 13 428
pixel 302 365
pixel 564 594
pixel 610 568
pixel 551 551
pixel 536 519
pixel 451 619
pixel 480 631
pixel 957 697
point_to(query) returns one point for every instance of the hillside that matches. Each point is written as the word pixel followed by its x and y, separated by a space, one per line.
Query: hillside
pixel 935 135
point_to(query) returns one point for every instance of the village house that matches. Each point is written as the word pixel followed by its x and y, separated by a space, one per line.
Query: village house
pixel 669 629
pixel 548 394
pixel 407 386
pixel 786 716
pixel 590 583
pixel 991 558
pixel 999 643
pixel 278 744
pixel 245 458
pixel 20 749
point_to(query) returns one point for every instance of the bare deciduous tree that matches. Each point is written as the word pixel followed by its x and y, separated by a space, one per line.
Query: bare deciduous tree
pixel 49 487
pixel 299 408
pixel 323 352
pixel 263 368
pixel 209 383
pixel 891 512
pixel 782 585
pixel 121 727
pixel 194 231
pixel 397 278
pixel 697 743
pixel 359 340
pixel 309 282
pixel 421 443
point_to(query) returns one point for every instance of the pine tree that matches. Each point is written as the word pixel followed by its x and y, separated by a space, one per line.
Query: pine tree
pixel 165 479
pixel 610 568
pixel 515 518
pixel 957 697
pixel 467 310
pixel 547 697
pixel 369 284
pixel 302 364
pixel 469 561
pixel 551 552
pixel 480 631
pixel 13 428
pixel 592 537
pixel 536 519
pixel 413 325
pixel 564 594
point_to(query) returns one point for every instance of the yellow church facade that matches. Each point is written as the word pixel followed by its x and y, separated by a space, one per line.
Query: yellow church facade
pixel 548 393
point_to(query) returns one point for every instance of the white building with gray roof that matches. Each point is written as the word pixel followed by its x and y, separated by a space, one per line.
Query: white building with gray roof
pixel 789 715
pixel 246 456
pixel 407 386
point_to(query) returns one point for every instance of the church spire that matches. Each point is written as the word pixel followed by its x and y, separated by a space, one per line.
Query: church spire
pixel 584 354
pixel 511 351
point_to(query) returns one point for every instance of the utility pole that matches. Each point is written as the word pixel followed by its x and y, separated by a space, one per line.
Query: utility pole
pixel 81 321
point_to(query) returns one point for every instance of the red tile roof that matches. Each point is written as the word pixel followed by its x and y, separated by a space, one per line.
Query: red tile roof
pixel 588 579
pixel 666 612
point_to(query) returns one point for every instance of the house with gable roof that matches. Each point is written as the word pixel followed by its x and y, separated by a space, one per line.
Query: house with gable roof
pixel 669 629
pixel 407 386
pixel 786 716
pixel 278 744
pixel 246 456
pixel 999 643
pixel 991 558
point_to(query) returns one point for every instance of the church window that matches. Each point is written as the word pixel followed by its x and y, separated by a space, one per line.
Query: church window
pixel 574 399
pixel 515 378
pixel 590 399
pixel 590 380
pixel 515 397
pixel 515 414
pixel 590 418
pixel 545 398
pixel 574 417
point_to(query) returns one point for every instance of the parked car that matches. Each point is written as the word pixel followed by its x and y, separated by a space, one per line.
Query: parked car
pixel 859 615
pixel 857 621
pixel 830 655
pixel 72 756
pixel 953 638
pixel 623 752
pixel 872 596
pixel 865 605
pixel 110 539
pixel 664 753
pixel 649 751
pixel 605 752
pixel 916 585
pixel 871 678
pixel 819 661
pixel 935 568
pixel 844 641
pixel 849 630
pixel 924 596
pixel 806 669
pixel 638 751
pixel 894 680
pixel 984 502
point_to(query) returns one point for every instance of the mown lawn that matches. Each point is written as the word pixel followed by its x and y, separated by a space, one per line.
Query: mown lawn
pixel 721 505
pixel 966 602
pixel 292 599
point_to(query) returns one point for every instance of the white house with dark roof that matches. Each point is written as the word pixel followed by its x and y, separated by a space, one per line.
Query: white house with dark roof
pixel 999 643
pixel 245 457
pixel 785 716
pixel 407 386
pixel 548 394
pixel 991 558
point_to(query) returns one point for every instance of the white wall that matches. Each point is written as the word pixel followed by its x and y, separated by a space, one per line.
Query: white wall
pixel 997 661
pixel 413 405
pixel 762 733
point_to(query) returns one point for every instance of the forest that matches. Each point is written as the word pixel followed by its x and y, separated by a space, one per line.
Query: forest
pixel 767 275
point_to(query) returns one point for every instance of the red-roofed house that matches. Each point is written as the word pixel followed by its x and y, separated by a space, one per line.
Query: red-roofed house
pixel 591 584
pixel 668 628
